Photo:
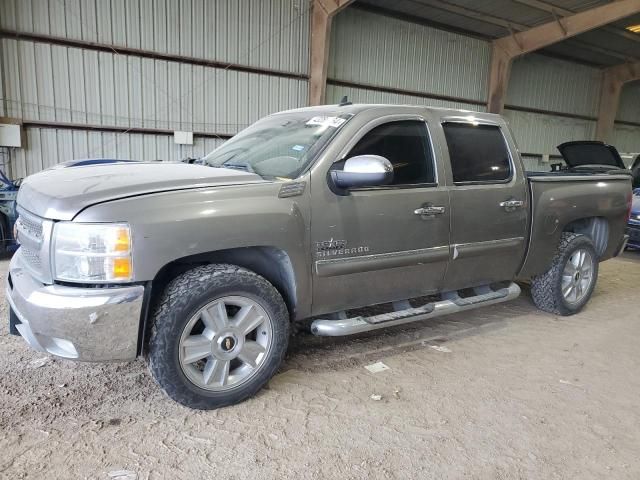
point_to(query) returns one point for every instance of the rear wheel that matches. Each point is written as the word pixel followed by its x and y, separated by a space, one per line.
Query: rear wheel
pixel 568 285
pixel 220 333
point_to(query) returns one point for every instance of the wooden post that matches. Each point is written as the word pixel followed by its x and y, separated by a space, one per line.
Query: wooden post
pixel 613 79
pixel 498 79
pixel 322 12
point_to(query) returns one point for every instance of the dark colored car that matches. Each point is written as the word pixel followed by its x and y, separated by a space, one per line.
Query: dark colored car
pixel 8 214
pixel 633 229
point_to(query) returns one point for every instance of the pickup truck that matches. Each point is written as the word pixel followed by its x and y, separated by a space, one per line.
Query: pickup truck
pixel 309 214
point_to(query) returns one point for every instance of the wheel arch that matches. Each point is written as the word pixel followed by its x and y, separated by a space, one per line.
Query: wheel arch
pixel 595 228
pixel 274 264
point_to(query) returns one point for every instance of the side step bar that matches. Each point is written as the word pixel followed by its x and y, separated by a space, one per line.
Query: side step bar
pixel 452 303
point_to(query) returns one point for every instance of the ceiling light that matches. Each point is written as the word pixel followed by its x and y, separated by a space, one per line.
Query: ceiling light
pixel 634 28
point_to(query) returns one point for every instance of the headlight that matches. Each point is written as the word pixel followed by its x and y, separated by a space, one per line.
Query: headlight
pixel 92 252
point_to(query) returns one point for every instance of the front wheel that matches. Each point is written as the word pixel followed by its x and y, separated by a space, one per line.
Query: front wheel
pixel 219 334
pixel 567 286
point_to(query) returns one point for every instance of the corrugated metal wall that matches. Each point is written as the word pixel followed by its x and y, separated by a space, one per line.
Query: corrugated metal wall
pixel 44 82
pixel 543 83
pixel 372 49
pixel 248 32
pixel 49 146
pixel 540 133
pixel 64 84
pixel 546 83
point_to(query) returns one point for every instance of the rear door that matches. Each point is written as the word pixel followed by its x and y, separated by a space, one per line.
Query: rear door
pixel 489 204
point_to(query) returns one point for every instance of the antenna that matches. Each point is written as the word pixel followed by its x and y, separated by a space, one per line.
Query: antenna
pixel 345 101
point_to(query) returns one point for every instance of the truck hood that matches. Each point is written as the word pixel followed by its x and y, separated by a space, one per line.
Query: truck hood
pixel 60 194
pixel 581 153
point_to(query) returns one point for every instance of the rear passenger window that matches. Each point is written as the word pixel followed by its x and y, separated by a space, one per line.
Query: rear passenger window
pixel 406 145
pixel 478 153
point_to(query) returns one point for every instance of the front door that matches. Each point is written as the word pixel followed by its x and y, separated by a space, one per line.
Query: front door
pixel 489 204
pixel 382 244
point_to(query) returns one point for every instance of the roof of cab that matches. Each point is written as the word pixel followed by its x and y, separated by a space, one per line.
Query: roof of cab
pixel 360 107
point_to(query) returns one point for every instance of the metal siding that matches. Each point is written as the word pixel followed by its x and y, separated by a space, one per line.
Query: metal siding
pixel 259 33
pixel 13 95
pixel 373 49
pixel 540 133
pixel 46 96
pixel 629 109
pixel 626 138
pixel 50 146
pixel 361 95
pixel 546 83
pixel 64 84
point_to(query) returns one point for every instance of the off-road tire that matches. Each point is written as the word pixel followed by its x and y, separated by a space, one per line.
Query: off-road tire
pixel 546 289
pixel 184 296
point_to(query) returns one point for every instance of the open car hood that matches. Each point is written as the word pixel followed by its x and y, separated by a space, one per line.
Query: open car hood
pixel 583 153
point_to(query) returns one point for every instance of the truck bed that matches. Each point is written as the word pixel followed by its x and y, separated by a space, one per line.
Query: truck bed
pixel 582 202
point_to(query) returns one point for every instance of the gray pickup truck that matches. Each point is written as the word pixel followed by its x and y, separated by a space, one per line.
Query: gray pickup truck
pixel 310 214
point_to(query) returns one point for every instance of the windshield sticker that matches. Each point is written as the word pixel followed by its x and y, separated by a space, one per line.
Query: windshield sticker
pixel 298 148
pixel 326 121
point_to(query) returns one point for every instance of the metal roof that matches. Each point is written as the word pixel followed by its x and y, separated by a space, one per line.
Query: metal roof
pixel 489 19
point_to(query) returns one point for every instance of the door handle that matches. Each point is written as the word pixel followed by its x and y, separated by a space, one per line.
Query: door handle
pixel 509 205
pixel 429 210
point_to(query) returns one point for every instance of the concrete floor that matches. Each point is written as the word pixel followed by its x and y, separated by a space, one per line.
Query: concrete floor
pixel 509 393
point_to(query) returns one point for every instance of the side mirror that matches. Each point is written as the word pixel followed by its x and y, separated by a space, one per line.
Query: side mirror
pixel 363 171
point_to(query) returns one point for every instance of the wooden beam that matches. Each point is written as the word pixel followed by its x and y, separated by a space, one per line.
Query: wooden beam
pixel 322 12
pixel 613 79
pixel 505 49
pixel 499 73
pixel 554 10
pixel 552 32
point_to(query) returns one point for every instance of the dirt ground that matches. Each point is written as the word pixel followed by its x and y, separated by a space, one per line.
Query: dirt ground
pixel 508 393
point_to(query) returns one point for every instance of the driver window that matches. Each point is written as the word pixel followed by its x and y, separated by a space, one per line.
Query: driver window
pixel 406 145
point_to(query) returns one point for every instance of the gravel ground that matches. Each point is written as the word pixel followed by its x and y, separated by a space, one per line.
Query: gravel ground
pixel 508 392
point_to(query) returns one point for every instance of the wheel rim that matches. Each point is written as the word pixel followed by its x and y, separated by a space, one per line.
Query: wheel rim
pixel 225 343
pixel 577 276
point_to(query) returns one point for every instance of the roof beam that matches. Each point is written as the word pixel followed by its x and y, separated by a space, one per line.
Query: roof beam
pixel 507 48
pixel 555 10
pixel 322 12
pixel 613 79
pixel 507 25
pixel 552 32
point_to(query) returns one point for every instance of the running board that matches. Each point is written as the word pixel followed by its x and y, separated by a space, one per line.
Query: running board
pixel 452 303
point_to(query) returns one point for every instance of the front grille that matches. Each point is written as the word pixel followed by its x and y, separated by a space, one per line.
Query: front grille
pixel 30 225
pixel 32 236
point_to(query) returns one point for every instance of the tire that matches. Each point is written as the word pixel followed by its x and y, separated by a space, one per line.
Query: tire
pixel 547 289
pixel 191 303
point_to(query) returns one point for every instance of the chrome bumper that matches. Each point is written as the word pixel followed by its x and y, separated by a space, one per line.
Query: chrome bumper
pixel 86 324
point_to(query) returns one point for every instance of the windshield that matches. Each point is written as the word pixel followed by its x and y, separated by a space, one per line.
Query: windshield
pixel 280 146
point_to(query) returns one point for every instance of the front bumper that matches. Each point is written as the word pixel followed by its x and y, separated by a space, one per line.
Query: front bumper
pixel 87 324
